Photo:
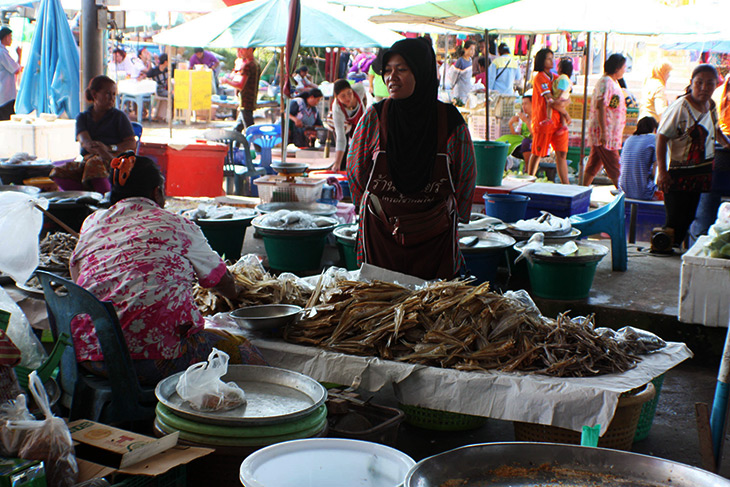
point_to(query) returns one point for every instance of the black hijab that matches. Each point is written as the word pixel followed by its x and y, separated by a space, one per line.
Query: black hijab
pixel 412 122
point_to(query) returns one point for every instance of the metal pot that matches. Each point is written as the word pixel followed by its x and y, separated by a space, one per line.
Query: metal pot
pixel 543 464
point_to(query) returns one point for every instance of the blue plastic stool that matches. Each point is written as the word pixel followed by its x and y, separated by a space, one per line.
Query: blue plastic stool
pixel 266 136
pixel 137 129
pixel 139 100
pixel 608 219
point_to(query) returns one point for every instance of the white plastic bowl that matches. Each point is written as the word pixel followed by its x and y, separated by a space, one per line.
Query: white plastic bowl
pixel 325 462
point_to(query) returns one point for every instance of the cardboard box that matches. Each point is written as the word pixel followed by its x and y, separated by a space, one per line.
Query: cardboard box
pixel 18 472
pixel 704 281
pixel 102 450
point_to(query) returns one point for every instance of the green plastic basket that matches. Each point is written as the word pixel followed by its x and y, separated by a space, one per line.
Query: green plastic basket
pixel 172 478
pixel 648 410
pixel 432 419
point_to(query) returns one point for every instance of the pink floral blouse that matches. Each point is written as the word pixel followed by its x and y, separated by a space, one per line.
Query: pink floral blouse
pixel 608 92
pixel 144 260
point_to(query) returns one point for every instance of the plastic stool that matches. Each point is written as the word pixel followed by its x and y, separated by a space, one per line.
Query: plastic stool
pixel 608 219
pixel 139 100
pixel 266 136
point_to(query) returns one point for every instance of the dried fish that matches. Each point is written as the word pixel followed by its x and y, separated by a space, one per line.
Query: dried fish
pixel 56 249
pixel 455 324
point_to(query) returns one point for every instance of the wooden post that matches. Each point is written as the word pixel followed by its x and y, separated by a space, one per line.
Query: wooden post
pixel 581 168
pixel 530 43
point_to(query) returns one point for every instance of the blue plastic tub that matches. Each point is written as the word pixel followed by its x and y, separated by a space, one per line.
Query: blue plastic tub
pixel 562 200
pixel 507 207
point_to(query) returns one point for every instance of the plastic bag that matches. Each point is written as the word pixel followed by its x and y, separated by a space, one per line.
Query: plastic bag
pixel 633 340
pixel 719 232
pixel 202 387
pixel 10 439
pixel 20 332
pixel 48 440
pixel 20 224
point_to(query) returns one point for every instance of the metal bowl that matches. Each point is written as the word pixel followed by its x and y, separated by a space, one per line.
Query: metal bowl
pixel 19 188
pixel 266 317
pixel 588 252
pixel 321 209
pixel 292 232
pixel 547 464
pixel 289 168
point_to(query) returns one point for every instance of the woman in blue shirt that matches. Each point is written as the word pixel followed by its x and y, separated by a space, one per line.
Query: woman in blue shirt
pixel 637 162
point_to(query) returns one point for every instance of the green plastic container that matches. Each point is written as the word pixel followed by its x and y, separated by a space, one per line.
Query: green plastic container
pixel 564 277
pixel 574 156
pixel 346 245
pixel 292 253
pixel 648 410
pixel 491 157
pixel 225 236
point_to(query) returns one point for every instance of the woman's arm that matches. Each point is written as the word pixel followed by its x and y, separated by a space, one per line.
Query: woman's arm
pixel 722 138
pixel 363 146
pixel 227 286
pixel 661 162
pixel 461 152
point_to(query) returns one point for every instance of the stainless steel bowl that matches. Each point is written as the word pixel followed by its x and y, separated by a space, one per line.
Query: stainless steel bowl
pixel 266 317
pixel 19 188
pixel 548 464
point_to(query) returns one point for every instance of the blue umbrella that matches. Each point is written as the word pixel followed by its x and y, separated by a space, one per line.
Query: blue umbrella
pixel 50 82
pixel 703 46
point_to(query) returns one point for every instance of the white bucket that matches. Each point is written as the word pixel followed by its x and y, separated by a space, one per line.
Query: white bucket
pixel 325 462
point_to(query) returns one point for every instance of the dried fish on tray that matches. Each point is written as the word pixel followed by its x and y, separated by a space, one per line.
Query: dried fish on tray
pixel 56 249
pixel 453 324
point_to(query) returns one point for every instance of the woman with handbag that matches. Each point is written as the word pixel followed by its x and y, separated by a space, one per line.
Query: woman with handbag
pixel 687 135
pixel 411 170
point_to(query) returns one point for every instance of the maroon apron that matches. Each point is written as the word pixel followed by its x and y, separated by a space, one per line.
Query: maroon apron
pixel 416 233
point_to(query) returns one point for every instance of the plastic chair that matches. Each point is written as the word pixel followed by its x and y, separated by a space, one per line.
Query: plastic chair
pixel 139 100
pixel 238 151
pixel 48 367
pixel 266 136
pixel 609 219
pixel 118 399
pixel 137 128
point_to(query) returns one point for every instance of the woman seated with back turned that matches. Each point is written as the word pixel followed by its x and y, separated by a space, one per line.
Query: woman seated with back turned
pixel 103 132
pixel 145 260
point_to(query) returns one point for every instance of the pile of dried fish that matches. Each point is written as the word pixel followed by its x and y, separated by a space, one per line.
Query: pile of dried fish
pixel 56 249
pixel 453 324
pixel 258 287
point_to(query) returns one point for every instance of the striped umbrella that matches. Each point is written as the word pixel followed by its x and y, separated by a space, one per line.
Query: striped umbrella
pixel 293 36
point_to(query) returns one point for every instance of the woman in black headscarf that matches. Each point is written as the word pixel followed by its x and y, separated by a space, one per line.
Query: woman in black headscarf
pixel 411 170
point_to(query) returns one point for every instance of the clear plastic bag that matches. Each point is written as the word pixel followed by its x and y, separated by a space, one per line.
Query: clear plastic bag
pixel 20 332
pixel 633 340
pixel 20 224
pixel 202 387
pixel 10 439
pixel 48 440
pixel 719 232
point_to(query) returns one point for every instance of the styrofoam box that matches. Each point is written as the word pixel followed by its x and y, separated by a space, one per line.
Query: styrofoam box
pixel 46 140
pixel 703 289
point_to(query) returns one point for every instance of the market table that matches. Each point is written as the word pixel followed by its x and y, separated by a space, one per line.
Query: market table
pixel 564 402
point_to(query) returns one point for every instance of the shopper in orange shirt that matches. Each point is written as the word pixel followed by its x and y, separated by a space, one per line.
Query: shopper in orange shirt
pixel 544 128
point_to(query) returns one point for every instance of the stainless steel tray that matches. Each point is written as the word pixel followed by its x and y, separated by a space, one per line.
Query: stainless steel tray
pixel 273 396
pixel 321 209
pixel 519 464
pixel 292 232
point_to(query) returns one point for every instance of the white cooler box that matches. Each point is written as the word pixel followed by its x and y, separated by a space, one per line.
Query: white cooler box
pixel 704 290
pixel 46 140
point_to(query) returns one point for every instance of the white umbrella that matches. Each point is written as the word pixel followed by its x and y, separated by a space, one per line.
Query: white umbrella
pixel 196 6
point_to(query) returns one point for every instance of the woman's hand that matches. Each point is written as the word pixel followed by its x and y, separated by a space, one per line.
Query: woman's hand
pixel 663 181
pixel 298 123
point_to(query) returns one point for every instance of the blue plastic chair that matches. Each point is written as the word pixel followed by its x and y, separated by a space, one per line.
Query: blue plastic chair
pixel 608 219
pixel 137 129
pixel 266 136
pixel 118 399
pixel 238 157
pixel 139 99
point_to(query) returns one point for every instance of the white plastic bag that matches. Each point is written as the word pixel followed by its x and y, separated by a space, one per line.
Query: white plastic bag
pixel 48 440
pixel 719 232
pixel 20 224
pixel 202 387
pixel 11 439
pixel 19 331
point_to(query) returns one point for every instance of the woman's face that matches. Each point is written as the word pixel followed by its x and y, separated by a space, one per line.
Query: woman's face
pixel 346 97
pixel 312 101
pixel 548 62
pixel 702 87
pixel 399 78
pixel 621 72
pixel 106 97
pixel 470 51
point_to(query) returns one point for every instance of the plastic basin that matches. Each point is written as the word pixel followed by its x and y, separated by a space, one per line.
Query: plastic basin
pixel 346 247
pixel 483 258
pixel 507 207
pixel 574 274
pixel 491 157
pixel 326 462
pixel 293 253
pixel 225 236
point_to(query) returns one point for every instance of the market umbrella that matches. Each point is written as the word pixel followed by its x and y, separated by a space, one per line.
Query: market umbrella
pixel 50 82
pixel 702 46
pixel 264 23
pixel 443 13
pixel 293 39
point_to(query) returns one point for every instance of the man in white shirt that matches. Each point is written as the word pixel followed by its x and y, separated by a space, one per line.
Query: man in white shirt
pixel 122 66
pixel 8 69
pixel 503 72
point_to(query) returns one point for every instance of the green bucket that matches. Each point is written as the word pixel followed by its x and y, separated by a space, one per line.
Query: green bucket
pixel 574 156
pixel 291 253
pixel 225 236
pixel 491 157
pixel 346 245
pixel 553 276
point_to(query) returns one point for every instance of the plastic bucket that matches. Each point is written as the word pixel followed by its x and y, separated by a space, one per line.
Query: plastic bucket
pixel 348 255
pixel 483 258
pixel 293 253
pixel 225 236
pixel 491 157
pixel 507 207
